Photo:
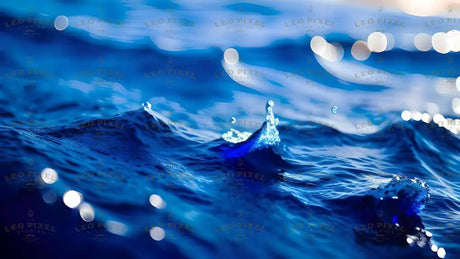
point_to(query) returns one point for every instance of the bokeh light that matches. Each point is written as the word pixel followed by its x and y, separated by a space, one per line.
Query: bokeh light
pixel 439 41
pixel 72 199
pixel 422 41
pixel 61 22
pixel 49 175
pixel 453 40
pixel 157 201
pixel 231 56
pixel 423 8
pixel 437 118
pixel 377 42
pixel 406 115
pixel 157 233
pixel 49 197
pixel 116 227
pixel 86 212
pixel 318 45
pixel 457 83
pixel 360 50
pixel 329 51
pixel 426 118
pixel 441 253
pixel 416 115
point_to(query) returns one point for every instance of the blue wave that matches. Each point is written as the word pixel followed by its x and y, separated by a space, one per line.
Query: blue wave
pixel 336 169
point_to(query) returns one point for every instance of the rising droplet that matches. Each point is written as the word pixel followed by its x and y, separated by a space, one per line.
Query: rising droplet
pixel 334 109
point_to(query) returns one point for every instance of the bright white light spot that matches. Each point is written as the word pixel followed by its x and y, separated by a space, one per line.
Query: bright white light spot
pixel 457 83
pixel 443 123
pixel 318 45
pixel 157 233
pixel 439 41
pixel 423 8
pixel 49 197
pixel 441 252
pixel 157 201
pixel 49 175
pixel 395 197
pixel 360 50
pixel 456 105
pixel 405 115
pixel 377 42
pixel 426 118
pixel 422 41
pixel 416 116
pixel 434 248
pixel 334 52
pixel 116 227
pixel 330 52
pixel 428 233
pixel 72 199
pixel 453 40
pixel 231 56
pixel 61 22
pixel 437 118
pixel 86 212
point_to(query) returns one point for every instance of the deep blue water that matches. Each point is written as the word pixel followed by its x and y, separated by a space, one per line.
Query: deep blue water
pixel 135 99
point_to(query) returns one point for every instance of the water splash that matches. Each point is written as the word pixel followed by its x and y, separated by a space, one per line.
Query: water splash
pixel 413 194
pixel 269 135
pixel 235 136
pixel 264 137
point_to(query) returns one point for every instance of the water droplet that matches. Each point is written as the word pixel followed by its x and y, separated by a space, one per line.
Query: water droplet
pixel 334 109
pixel 270 103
